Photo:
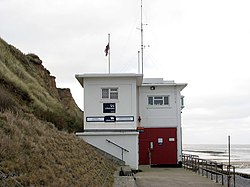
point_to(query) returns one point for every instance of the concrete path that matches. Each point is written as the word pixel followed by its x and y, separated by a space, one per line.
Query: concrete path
pixel 172 177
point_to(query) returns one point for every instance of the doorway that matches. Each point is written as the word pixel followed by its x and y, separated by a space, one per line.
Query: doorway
pixel 158 146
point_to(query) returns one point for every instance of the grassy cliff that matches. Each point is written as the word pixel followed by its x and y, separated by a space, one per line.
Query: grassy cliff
pixel 27 85
pixel 37 147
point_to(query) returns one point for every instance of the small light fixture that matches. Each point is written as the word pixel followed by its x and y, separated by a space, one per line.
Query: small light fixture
pixel 139 119
pixel 152 88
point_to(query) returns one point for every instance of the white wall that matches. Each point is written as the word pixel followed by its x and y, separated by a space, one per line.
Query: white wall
pixel 127 140
pixel 160 116
pixel 125 105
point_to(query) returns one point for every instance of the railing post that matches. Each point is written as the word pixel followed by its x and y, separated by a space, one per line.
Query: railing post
pixel 216 169
pixel 222 178
pixel 122 154
pixel 234 174
pixel 186 161
pixel 206 170
pixel 195 165
pixel 199 172
pixel 202 170
pixel 123 149
pixel 229 176
pixel 211 167
pixel 183 161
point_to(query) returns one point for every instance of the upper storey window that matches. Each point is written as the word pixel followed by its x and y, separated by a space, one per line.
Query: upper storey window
pixel 109 93
pixel 158 100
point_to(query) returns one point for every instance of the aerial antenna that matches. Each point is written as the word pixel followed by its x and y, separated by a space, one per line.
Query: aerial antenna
pixel 138 62
pixel 141 40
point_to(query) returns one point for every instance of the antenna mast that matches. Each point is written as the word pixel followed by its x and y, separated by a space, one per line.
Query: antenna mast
pixel 138 62
pixel 141 40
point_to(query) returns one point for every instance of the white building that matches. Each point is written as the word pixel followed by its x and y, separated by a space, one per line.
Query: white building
pixel 160 112
pixel 117 105
pixel 110 114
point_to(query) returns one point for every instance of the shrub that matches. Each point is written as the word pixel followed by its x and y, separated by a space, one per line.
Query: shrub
pixel 6 102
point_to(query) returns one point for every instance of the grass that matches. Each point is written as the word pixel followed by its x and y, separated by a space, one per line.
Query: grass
pixel 35 89
pixel 6 101
pixel 36 148
pixel 34 152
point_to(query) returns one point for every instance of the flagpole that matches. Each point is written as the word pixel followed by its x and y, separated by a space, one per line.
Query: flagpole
pixel 109 52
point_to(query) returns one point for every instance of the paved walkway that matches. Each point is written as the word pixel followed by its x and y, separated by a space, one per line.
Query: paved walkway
pixel 172 177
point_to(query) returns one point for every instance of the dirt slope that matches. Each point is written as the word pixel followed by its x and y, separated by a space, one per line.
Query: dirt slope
pixel 37 147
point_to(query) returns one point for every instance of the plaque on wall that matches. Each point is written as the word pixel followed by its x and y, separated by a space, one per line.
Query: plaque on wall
pixel 109 119
pixel 108 107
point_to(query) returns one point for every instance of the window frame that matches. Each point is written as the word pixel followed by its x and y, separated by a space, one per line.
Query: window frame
pixel 112 93
pixel 156 100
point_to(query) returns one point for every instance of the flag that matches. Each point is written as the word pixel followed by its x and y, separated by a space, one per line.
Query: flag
pixel 106 50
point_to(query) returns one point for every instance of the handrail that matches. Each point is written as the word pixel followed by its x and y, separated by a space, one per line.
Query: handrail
pixel 117 145
pixel 122 148
pixel 203 166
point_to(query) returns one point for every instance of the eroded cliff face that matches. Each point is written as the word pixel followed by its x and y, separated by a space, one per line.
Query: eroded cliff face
pixel 34 151
pixel 29 86
pixel 69 103
pixel 46 80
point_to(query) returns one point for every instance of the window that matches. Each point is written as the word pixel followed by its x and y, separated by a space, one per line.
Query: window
pixel 158 100
pixel 105 93
pixel 113 93
pixel 109 93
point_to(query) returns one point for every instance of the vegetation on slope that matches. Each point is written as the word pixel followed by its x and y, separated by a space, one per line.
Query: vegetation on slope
pixel 36 148
pixel 35 153
pixel 32 89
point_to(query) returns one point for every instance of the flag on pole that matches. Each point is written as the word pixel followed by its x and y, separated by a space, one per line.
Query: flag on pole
pixel 106 50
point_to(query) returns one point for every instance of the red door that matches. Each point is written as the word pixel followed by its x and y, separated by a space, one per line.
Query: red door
pixel 158 146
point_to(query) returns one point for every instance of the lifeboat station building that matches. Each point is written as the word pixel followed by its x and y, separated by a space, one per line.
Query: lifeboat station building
pixel 135 119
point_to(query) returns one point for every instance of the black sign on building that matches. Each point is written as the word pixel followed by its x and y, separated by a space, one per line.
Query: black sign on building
pixel 108 107
pixel 109 119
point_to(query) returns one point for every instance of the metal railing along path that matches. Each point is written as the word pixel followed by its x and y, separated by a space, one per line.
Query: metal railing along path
pixel 216 171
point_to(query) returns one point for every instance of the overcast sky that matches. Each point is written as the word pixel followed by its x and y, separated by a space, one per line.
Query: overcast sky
pixel 204 43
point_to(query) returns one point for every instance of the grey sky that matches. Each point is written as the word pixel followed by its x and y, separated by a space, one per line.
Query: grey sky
pixel 203 43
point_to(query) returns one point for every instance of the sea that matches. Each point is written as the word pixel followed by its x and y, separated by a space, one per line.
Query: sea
pixel 239 154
